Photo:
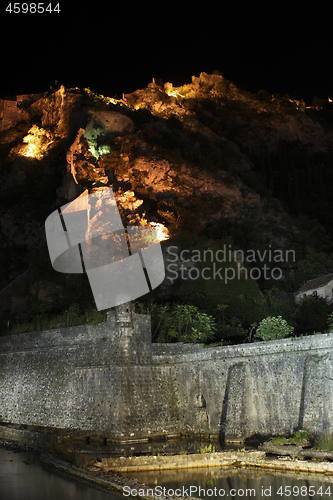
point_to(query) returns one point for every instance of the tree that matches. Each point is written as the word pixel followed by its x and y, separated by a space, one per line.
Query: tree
pixel 180 322
pixel 310 315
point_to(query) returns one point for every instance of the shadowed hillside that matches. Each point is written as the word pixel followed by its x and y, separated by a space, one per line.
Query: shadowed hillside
pixel 215 167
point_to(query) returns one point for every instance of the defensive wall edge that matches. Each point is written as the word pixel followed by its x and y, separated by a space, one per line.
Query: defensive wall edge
pixel 110 381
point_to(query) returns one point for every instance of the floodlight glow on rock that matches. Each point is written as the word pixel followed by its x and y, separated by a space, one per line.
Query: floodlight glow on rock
pixel 87 235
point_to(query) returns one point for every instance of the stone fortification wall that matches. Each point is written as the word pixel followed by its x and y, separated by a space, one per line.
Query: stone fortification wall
pixel 51 108
pixel 61 378
pixel 13 109
pixel 110 381
pixel 251 389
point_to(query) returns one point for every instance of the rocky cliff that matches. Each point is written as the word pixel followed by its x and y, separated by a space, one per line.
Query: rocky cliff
pixel 205 159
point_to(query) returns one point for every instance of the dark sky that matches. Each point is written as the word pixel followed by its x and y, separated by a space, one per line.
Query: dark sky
pixel 115 48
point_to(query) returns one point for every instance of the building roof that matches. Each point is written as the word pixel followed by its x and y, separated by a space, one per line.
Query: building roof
pixel 315 283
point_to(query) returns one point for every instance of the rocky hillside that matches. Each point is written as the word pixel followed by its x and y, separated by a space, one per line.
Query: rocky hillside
pixel 207 161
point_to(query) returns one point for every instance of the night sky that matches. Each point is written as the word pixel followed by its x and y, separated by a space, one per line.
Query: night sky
pixel 118 48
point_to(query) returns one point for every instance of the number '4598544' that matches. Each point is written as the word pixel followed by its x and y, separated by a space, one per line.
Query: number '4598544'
pixel 32 8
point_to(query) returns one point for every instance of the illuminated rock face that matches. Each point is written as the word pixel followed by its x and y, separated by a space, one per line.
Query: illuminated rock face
pixel 57 107
pixel 91 143
pixel 104 126
pixel 113 122
pixel 115 258
pixel 205 79
pixel 37 142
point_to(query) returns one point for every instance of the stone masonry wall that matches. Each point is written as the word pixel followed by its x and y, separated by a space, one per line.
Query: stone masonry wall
pixel 12 109
pixel 248 390
pixel 110 381
pixel 69 378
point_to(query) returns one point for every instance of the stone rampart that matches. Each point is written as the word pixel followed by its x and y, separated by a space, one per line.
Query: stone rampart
pixel 15 109
pixel 110 381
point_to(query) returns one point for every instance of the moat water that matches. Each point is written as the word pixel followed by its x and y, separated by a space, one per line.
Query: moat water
pixel 24 477
pixel 236 482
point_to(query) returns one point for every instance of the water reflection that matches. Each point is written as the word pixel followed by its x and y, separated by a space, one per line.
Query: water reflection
pixel 23 477
pixel 237 482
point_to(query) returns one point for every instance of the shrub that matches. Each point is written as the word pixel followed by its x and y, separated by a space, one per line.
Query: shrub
pixel 186 323
pixel 94 134
pixel 273 328
pixel 324 442
pixel 207 449
pixel 301 437
pixel 278 440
